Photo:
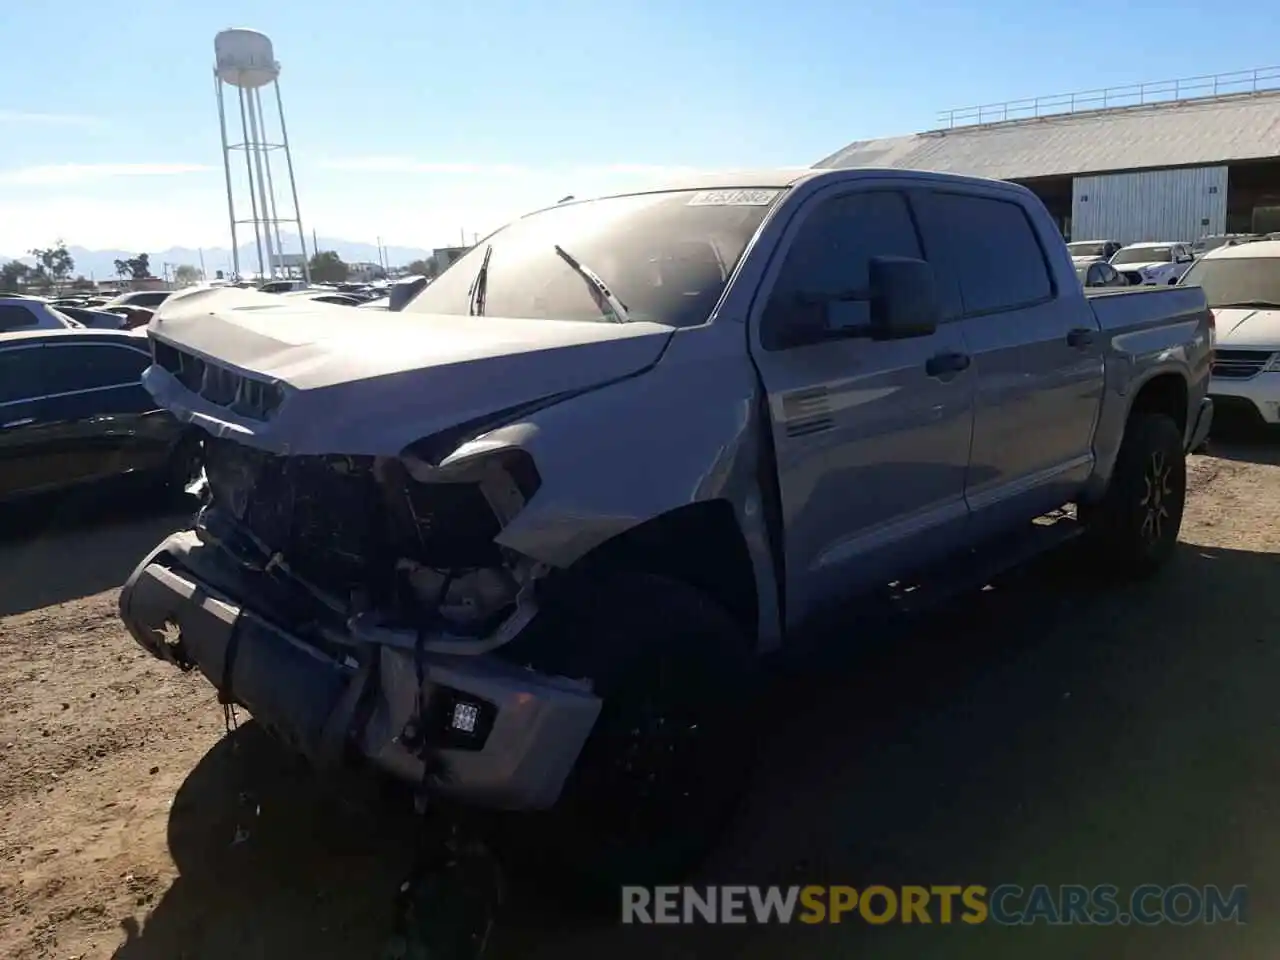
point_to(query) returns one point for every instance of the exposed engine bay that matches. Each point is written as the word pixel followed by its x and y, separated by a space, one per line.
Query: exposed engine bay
pixel 391 557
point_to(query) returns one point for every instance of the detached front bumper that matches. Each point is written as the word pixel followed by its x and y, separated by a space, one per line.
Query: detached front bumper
pixel 500 735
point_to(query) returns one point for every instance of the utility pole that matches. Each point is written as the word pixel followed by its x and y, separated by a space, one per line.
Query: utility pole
pixel 203 275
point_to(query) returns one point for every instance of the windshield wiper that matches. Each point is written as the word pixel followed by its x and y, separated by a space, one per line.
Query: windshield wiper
pixel 481 284
pixel 616 306
pixel 1257 304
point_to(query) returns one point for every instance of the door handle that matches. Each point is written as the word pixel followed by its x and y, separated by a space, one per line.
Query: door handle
pixel 24 422
pixel 1080 337
pixel 941 364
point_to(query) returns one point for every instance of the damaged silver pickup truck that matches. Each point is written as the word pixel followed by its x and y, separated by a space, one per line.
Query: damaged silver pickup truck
pixel 525 541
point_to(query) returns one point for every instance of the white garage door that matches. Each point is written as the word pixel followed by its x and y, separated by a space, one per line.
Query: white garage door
pixel 1150 205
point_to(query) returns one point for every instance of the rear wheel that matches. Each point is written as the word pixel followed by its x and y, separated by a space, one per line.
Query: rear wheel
pixel 1135 526
pixel 670 753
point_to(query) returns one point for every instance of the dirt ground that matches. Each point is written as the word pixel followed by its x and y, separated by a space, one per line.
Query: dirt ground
pixel 1051 730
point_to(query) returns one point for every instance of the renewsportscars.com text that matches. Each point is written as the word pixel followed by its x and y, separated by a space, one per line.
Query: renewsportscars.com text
pixel 1006 904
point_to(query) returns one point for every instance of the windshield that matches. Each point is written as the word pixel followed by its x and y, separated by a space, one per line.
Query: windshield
pixel 664 256
pixel 1086 249
pixel 1144 255
pixel 1237 280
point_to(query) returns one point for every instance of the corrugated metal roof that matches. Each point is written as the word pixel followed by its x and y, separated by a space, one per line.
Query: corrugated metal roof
pixel 1212 131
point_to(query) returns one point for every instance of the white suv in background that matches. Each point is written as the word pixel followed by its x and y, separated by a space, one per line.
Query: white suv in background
pixel 1242 285
pixel 1153 263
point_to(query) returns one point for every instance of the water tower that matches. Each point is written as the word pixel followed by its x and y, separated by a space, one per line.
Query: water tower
pixel 245 62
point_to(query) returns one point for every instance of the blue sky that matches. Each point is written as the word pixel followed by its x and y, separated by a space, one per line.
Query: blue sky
pixel 415 120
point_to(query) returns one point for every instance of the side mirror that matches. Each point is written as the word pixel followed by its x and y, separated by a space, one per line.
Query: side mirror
pixel 904 299
pixel 900 302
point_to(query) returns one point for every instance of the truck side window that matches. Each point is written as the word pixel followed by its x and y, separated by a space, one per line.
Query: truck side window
pixel 991 248
pixel 832 251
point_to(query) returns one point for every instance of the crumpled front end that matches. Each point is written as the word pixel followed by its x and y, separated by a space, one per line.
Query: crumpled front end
pixel 351 604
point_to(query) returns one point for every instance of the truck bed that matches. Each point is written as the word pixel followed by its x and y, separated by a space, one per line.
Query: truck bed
pixel 1147 308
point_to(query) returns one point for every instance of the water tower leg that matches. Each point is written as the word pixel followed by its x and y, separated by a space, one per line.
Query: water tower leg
pixel 226 169
pixel 248 169
pixel 271 186
pixel 258 150
pixel 293 186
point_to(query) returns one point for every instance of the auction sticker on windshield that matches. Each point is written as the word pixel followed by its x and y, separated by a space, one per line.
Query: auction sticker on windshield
pixel 733 198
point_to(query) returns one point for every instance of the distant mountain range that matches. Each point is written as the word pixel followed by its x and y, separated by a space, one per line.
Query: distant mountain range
pixel 100 265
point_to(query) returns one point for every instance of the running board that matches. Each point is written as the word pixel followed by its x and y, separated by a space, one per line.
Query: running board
pixel 976 569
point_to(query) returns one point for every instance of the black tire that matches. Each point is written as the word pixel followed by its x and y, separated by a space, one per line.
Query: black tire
pixel 1135 526
pixel 670 755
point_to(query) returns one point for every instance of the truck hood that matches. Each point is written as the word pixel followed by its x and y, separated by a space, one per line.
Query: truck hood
pixel 1085 261
pixel 1238 328
pixel 372 382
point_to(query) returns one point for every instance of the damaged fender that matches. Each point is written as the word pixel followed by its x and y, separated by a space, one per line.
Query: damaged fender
pixel 637 449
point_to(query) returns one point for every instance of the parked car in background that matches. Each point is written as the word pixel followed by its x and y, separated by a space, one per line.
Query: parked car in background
pixel 1242 286
pixel 73 411
pixel 323 295
pixel 1153 263
pixel 1098 273
pixel 31 313
pixel 150 299
pixel 402 291
pixel 282 286
pixel 96 319
pixel 528 553
pixel 134 317
pixel 1089 251
pixel 1205 244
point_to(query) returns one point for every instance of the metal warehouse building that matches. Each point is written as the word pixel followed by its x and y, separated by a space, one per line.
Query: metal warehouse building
pixel 1174 160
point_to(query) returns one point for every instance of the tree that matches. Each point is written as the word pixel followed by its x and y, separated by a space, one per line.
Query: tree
pixel 422 268
pixel 327 267
pixel 122 269
pixel 185 275
pixel 54 265
pixel 140 266
pixel 13 275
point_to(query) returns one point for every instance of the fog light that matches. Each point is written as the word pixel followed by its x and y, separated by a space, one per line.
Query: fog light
pixel 466 716
pixel 457 720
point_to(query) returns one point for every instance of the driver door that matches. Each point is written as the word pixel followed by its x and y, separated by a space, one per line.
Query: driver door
pixel 871 438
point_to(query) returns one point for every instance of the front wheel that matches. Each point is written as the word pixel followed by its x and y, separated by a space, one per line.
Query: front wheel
pixel 1135 526
pixel 670 754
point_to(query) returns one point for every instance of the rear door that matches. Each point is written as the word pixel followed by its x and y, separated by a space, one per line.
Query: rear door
pixel 21 468
pixel 1037 354
pixel 97 419
pixel 871 441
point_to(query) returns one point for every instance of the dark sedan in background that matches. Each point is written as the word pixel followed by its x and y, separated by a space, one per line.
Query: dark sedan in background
pixel 73 412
